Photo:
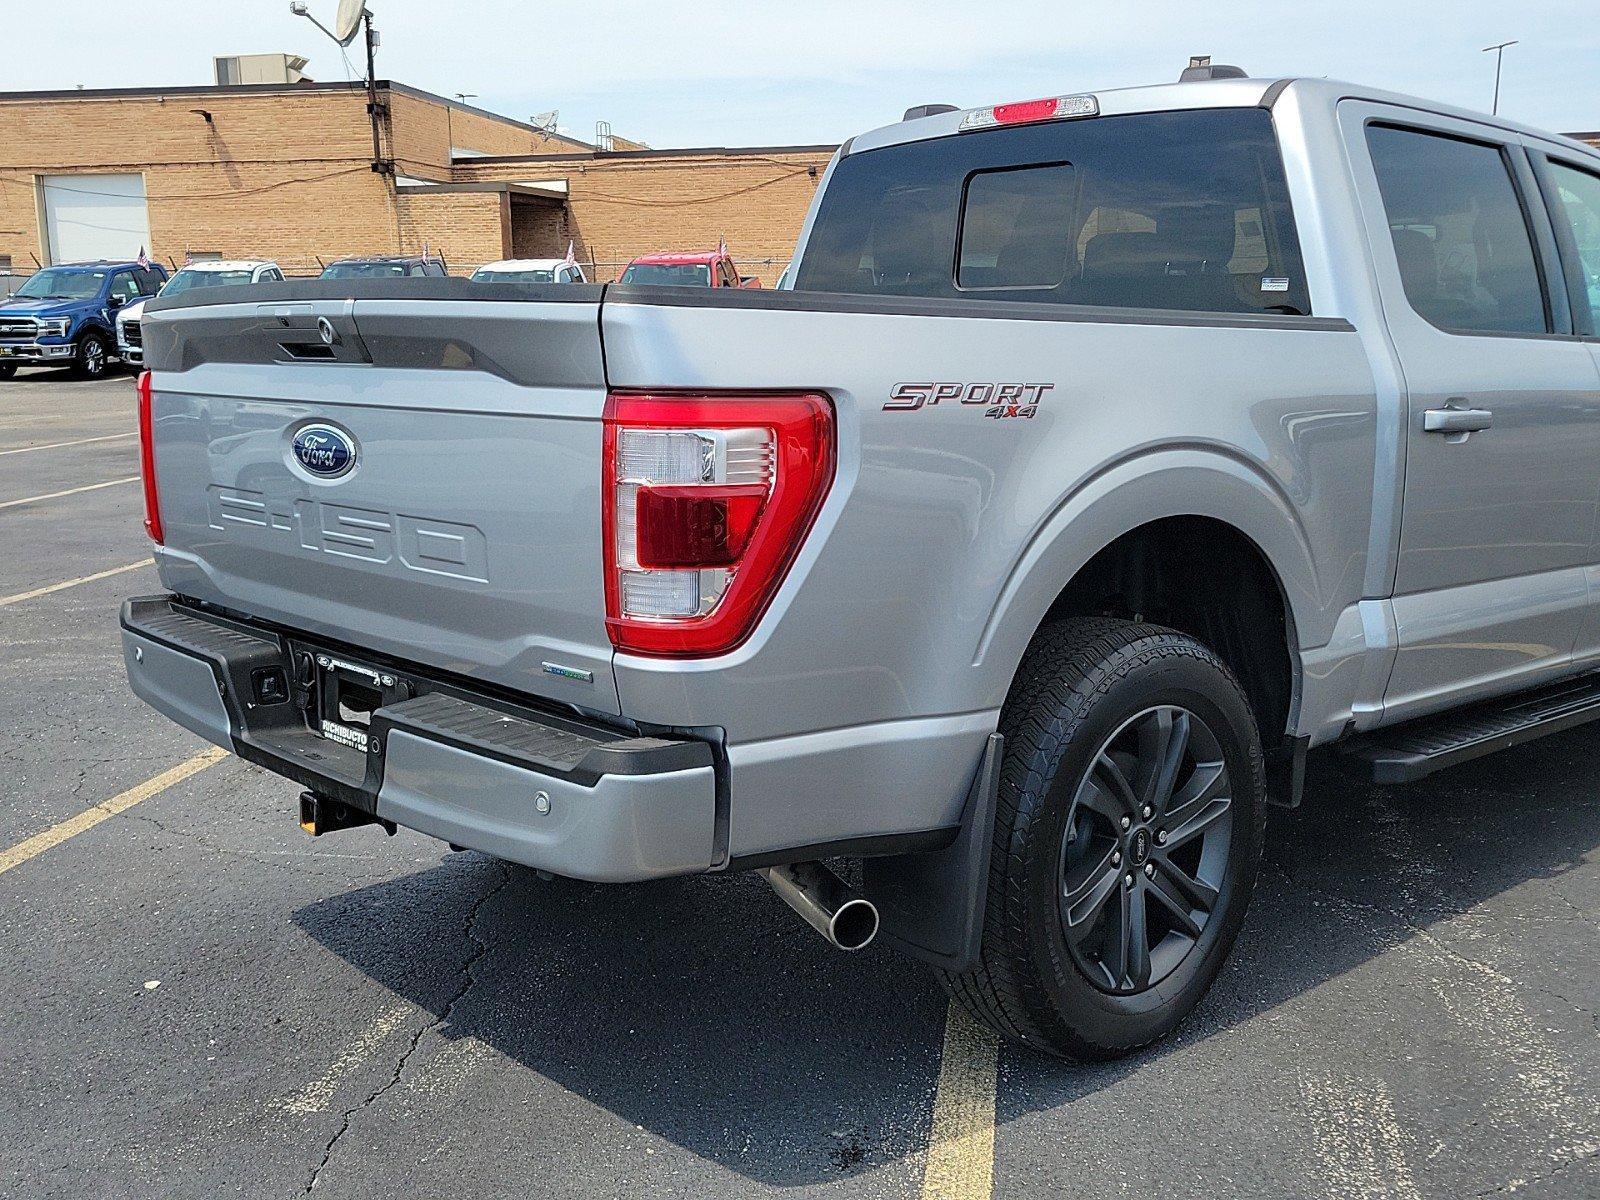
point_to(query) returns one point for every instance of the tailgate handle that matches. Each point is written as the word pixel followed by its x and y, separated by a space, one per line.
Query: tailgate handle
pixel 309 351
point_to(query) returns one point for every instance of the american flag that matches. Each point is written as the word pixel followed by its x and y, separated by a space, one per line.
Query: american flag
pixel 142 260
pixel 571 259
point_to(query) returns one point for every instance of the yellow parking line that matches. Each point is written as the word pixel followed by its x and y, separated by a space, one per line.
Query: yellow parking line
pixel 110 437
pixel 92 487
pixel 66 583
pixel 961 1146
pixel 90 817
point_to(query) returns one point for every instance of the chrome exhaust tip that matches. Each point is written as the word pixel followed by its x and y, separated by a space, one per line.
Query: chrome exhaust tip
pixel 826 903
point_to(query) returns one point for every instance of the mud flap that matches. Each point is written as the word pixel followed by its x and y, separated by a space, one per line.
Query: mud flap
pixel 1286 772
pixel 931 904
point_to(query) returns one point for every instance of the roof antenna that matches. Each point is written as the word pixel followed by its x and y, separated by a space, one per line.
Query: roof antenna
pixel 1201 67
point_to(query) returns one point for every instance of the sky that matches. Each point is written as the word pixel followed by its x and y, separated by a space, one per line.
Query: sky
pixel 763 72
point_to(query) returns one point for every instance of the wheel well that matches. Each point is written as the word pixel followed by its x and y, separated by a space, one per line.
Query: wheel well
pixel 1202 577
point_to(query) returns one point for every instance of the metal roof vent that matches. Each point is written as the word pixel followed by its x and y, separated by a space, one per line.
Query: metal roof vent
pixel 1201 67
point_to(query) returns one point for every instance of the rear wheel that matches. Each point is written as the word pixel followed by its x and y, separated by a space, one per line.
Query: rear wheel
pixel 92 358
pixel 7 370
pixel 1127 838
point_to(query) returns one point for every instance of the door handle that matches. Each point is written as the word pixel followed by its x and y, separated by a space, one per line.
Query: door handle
pixel 1457 420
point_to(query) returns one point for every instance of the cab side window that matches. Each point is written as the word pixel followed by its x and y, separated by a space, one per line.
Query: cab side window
pixel 149 281
pixel 1578 208
pixel 1465 254
pixel 124 286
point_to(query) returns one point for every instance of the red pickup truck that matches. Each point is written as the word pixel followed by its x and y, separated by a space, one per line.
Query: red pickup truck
pixel 693 268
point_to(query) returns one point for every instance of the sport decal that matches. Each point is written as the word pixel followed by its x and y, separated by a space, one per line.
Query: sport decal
pixel 999 400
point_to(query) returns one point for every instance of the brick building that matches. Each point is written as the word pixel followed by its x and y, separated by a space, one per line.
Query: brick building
pixel 287 172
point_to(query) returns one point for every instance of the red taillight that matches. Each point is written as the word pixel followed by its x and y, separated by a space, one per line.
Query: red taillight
pixel 147 461
pixel 707 499
pixel 705 526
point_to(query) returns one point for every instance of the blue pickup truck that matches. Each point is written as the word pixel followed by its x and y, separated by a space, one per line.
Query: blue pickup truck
pixel 66 315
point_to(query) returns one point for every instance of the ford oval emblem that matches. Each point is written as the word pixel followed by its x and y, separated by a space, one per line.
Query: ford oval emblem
pixel 324 450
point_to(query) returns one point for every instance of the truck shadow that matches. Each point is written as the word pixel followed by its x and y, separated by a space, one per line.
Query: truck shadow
pixel 701 1011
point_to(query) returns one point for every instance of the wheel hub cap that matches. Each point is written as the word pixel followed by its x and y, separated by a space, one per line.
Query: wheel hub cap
pixel 1139 846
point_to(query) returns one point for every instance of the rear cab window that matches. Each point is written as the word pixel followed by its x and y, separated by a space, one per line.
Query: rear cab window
pixel 1179 210
pixel 1011 228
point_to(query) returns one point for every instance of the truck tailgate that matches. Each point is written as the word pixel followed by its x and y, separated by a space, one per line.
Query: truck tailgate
pixel 465 531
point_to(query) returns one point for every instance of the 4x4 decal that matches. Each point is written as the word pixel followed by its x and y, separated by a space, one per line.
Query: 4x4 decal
pixel 1000 400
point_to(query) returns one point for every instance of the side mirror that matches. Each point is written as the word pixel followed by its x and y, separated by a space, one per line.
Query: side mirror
pixel 115 302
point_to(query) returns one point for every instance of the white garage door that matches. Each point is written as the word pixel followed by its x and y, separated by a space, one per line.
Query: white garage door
pixel 94 216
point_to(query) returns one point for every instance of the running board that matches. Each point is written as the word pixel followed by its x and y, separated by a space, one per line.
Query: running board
pixel 1408 752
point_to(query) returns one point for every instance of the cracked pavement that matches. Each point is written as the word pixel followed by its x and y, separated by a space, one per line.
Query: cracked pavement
pixel 1412 1012
pixel 468 979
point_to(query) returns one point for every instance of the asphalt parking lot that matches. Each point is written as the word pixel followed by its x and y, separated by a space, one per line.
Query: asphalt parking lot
pixel 196 1000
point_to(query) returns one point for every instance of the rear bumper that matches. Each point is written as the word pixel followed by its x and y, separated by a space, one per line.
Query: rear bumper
pixel 568 796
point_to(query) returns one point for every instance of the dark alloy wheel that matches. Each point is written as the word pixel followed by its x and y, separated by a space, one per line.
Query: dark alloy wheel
pixel 7 370
pixel 92 357
pixel 1128 829
pixel 1145 851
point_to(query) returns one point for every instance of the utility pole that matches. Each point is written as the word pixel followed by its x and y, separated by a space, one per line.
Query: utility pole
pixel 379 164
pixel 350 23
pixel 1499 53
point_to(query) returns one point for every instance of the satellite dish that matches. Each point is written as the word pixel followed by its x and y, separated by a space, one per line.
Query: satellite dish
pixel 348 23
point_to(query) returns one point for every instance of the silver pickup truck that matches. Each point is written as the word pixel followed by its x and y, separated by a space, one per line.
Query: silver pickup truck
pixel 1110 452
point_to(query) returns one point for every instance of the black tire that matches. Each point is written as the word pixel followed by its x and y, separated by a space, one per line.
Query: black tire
pixel 1092 695
pixel 7 370
pixel 92 358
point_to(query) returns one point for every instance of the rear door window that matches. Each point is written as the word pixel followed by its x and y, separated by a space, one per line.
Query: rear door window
pixel 1180 210
pixel 1460 234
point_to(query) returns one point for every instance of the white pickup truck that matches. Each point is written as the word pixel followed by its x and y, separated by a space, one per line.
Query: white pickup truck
pixel 1110 452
